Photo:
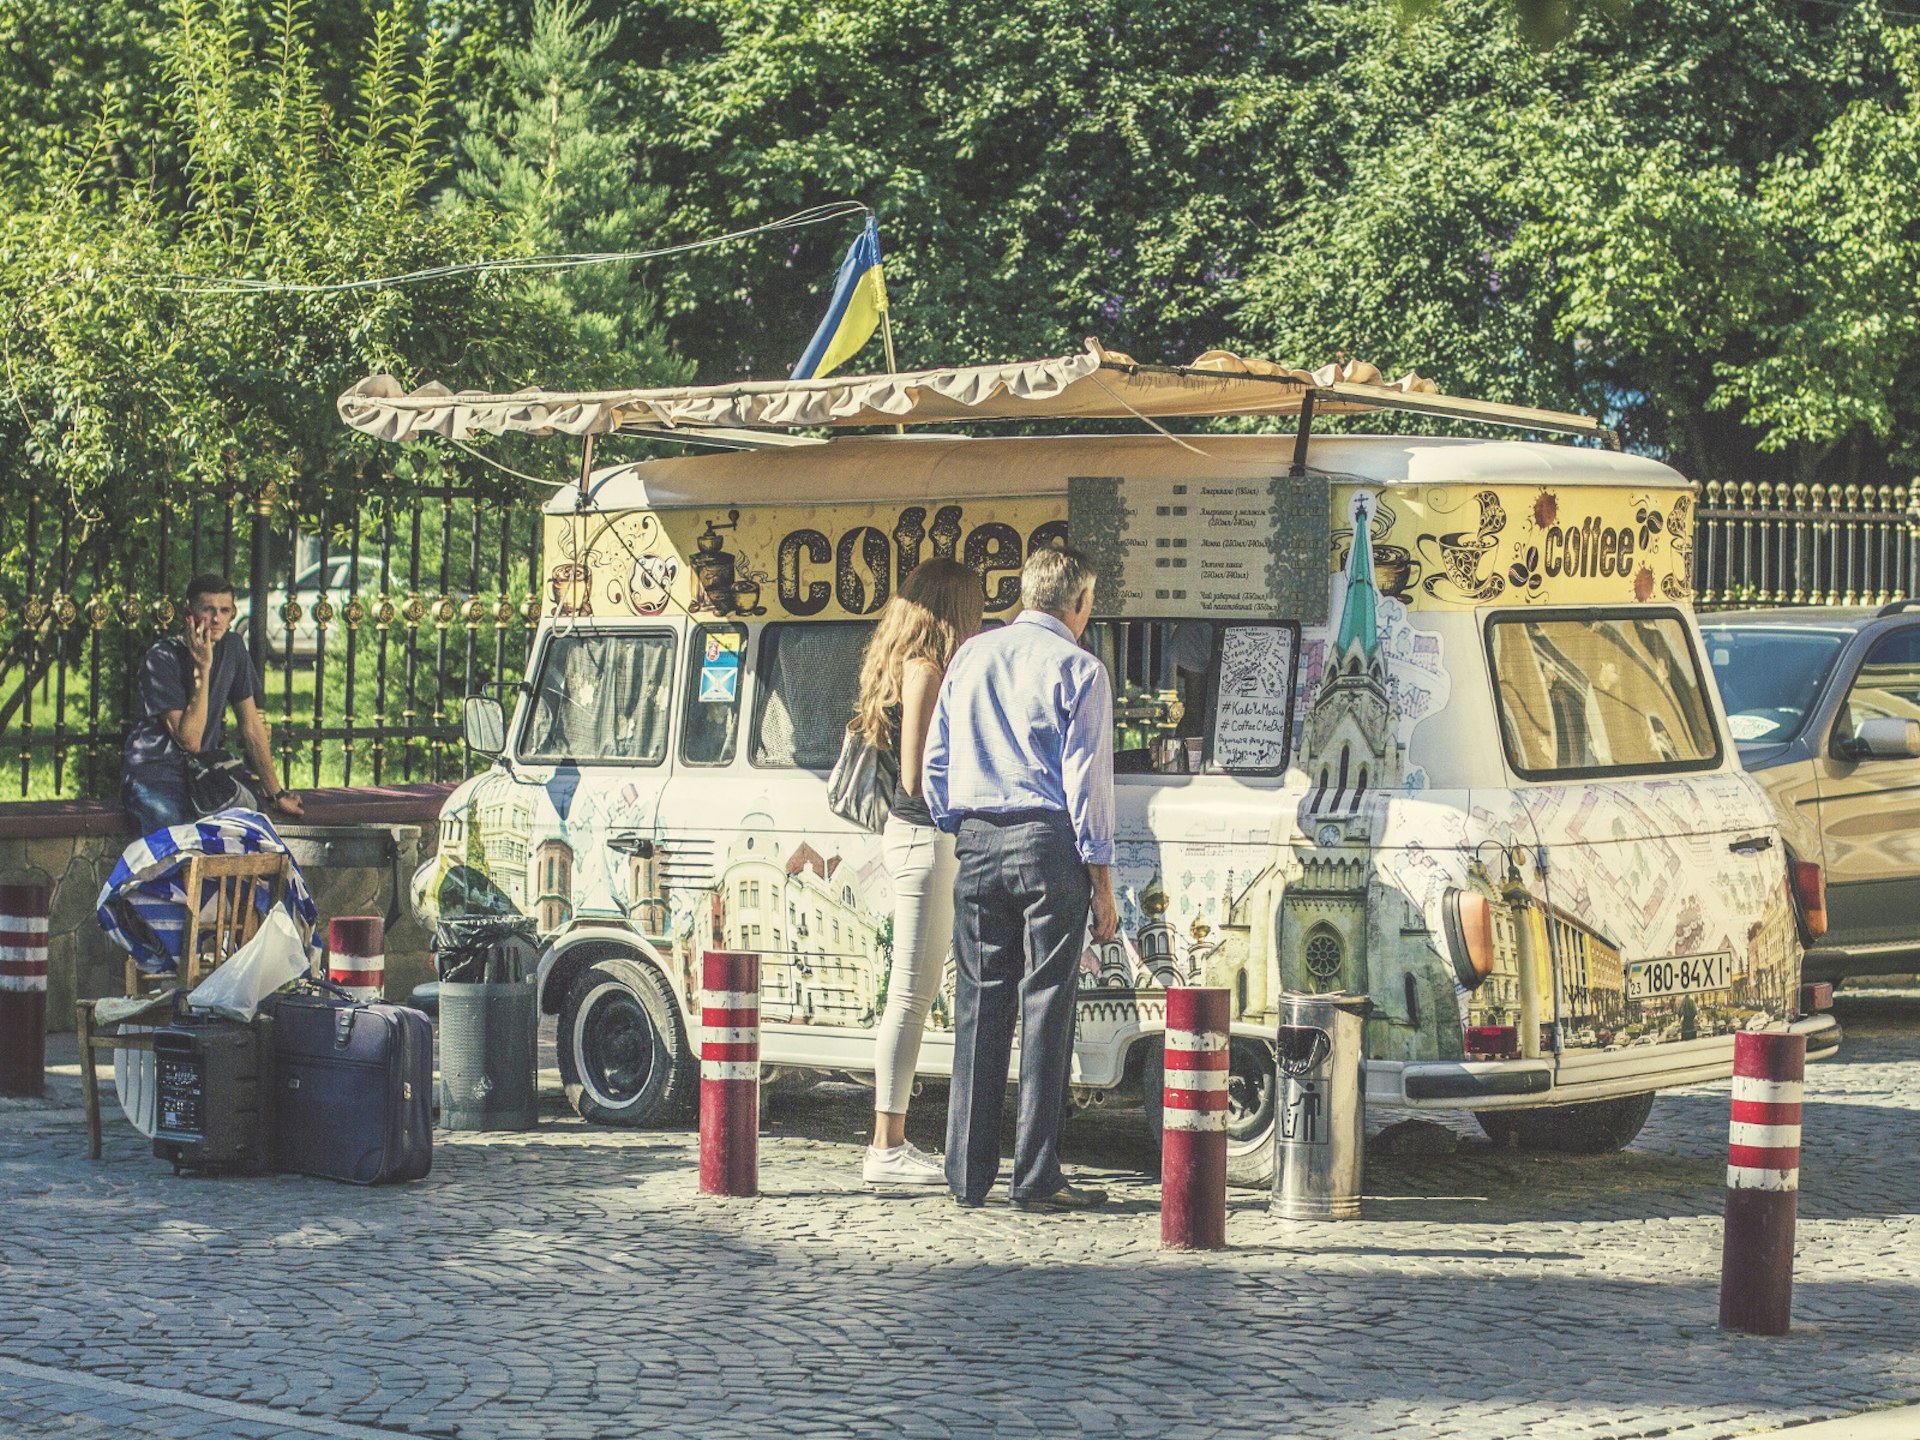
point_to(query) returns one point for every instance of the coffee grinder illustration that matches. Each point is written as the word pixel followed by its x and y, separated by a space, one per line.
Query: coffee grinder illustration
pixel 724 588
pixel 713 567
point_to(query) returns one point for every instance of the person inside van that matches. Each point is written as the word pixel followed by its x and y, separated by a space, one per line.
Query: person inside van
pixel 938 605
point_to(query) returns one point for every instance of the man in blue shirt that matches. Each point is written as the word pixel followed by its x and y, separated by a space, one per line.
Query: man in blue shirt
pixel 187 683
pixel 1019 765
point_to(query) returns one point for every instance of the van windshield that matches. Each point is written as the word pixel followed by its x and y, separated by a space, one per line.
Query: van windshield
pixel 601 697
pixel 1770 676
pixel 1601 694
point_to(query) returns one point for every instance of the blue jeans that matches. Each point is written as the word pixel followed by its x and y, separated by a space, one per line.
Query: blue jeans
pixel 156 798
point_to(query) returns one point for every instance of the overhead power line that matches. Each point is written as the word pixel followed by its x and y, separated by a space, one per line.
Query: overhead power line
pixel 240 285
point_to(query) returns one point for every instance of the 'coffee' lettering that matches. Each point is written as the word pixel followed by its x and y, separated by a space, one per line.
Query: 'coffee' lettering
pixel 1589 549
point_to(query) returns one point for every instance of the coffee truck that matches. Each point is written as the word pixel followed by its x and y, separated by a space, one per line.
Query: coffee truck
pixel 1420 719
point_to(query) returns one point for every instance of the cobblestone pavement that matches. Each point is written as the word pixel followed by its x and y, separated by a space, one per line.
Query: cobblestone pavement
pixel 570 1283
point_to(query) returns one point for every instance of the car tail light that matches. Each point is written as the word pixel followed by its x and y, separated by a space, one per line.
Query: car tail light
pixel 1499 1041
pixel 1809 885
pixel 1469 920
pixel 1816 997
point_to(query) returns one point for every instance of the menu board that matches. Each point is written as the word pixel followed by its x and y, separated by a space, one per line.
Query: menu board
pixel 1251 547
pixel 1253 698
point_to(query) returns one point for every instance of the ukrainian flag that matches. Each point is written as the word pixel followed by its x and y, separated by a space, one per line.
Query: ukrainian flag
pixel 859 300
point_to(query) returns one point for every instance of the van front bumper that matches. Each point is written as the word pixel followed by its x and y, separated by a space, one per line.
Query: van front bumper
pixel 1575 1077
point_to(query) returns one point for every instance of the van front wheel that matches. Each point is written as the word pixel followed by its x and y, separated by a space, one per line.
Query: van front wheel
pixel 1596 1127
pixel 625 1058
pixel 1252 1090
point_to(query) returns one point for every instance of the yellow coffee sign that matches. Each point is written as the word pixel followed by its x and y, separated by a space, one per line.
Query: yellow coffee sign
pixel 824 562
pixel 1457 547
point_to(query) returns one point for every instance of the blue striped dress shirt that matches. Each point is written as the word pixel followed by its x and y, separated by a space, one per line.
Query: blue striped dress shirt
pixel 1025 722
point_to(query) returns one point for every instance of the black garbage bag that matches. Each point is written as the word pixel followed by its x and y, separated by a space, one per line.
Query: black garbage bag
pixel 494 950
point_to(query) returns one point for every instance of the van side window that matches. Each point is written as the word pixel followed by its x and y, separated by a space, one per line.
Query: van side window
pixel 1604 693
pixel 1159 674
pixel 807 677
pixel 1221 692
pixel 605 697
pixel 715 663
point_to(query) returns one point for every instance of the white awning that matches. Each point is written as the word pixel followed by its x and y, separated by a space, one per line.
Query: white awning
pixel 1097 384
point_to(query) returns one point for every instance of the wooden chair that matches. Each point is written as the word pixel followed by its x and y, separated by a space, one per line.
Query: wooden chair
pixel 237 881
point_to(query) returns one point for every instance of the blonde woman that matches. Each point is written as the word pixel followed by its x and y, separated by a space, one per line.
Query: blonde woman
pixel 938 606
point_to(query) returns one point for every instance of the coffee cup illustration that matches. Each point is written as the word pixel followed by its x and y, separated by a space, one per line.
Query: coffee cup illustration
pixel 1395 571
pixel 572 590
pixel 1460 556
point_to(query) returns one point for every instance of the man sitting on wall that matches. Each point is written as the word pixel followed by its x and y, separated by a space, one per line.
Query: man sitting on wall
pixel 169 773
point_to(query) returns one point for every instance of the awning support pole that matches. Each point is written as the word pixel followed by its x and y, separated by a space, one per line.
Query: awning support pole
pixel 586 470
pixel 886 339
pixel 1299 467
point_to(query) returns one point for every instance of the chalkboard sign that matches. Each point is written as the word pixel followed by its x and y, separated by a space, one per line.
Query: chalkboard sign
pixel 1251 709
pixel 1241 547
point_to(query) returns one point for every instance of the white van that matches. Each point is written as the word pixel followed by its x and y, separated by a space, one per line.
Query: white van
pixel 1483 780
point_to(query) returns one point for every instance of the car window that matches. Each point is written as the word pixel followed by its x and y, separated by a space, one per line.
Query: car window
pixel 807 677
pixel 1770 675
pixel 1888 685
pixel 1602 694
pixel 711 727
pixel 601 697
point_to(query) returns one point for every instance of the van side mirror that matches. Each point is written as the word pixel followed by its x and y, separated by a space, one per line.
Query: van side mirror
pixel 1885 737
pixel 486 724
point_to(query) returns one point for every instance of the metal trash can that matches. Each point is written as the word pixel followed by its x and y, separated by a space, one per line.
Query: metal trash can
pixel 487 1056
pixel 489 1026
pixel 1322 1125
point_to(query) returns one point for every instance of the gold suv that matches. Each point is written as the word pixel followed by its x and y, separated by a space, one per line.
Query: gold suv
pixel 1824 705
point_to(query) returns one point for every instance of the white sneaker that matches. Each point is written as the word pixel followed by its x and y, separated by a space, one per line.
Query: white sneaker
pixel 905 1164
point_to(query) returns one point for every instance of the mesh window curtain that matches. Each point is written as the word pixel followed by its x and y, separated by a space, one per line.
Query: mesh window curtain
pixel 604 697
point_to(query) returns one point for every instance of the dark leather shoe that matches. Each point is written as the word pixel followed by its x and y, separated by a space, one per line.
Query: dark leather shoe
pixel 1067 1197
pixel 967 1203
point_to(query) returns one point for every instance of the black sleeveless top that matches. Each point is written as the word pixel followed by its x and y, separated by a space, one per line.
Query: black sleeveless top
pixel 910 808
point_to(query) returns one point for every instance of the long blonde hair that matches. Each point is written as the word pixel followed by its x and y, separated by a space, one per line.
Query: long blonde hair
pixel 938 605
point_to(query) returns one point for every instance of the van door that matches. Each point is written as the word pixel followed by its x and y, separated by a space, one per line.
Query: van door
pixel 1667 921
pixel 750 856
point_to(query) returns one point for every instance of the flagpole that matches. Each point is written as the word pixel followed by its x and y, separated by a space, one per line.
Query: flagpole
pixel 886 329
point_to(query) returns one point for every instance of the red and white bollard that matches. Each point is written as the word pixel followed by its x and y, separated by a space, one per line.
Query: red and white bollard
pixel 23 988
pixel 1193 1117
pixel 357 955
pixel 1763 1183
pixel 730 1074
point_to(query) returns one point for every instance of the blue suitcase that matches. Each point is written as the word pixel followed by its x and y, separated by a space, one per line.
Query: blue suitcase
pixel 353 1086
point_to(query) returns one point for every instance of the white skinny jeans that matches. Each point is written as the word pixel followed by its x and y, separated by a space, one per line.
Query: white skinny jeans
pixel 921 862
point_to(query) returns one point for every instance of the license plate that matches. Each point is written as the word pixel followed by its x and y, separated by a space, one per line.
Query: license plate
pixel 1679 975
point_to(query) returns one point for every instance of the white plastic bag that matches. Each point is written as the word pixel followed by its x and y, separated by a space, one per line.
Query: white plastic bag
pixel 258 968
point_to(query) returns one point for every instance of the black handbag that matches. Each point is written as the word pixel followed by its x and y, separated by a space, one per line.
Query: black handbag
pixel 863 782
pixel 217 781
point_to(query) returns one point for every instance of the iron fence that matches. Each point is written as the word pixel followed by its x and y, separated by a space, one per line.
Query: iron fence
pixel 368 626
pixel 376 621
pixel 1761 543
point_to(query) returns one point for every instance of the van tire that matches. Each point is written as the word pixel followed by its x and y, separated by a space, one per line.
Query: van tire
pixel 1253 1095
pixel 625 1057
pixel 1595 1127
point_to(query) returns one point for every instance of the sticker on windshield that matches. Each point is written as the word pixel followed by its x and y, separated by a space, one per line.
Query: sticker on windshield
pixel 720 669
pixel 1751 727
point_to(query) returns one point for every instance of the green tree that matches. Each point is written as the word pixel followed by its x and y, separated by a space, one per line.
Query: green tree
pixel 556 165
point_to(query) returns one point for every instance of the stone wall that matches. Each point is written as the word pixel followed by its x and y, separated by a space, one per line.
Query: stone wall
pixel 351 862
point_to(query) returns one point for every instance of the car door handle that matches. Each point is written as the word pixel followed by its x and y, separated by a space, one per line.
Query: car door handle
pixel 1752 845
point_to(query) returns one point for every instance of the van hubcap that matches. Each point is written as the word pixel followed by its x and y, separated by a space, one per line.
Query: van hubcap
pixel 615 1046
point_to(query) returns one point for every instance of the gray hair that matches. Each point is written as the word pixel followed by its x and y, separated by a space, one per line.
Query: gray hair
pixel 1053 579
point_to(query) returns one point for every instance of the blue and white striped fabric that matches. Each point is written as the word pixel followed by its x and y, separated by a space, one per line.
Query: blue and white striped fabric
pixel 143 905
